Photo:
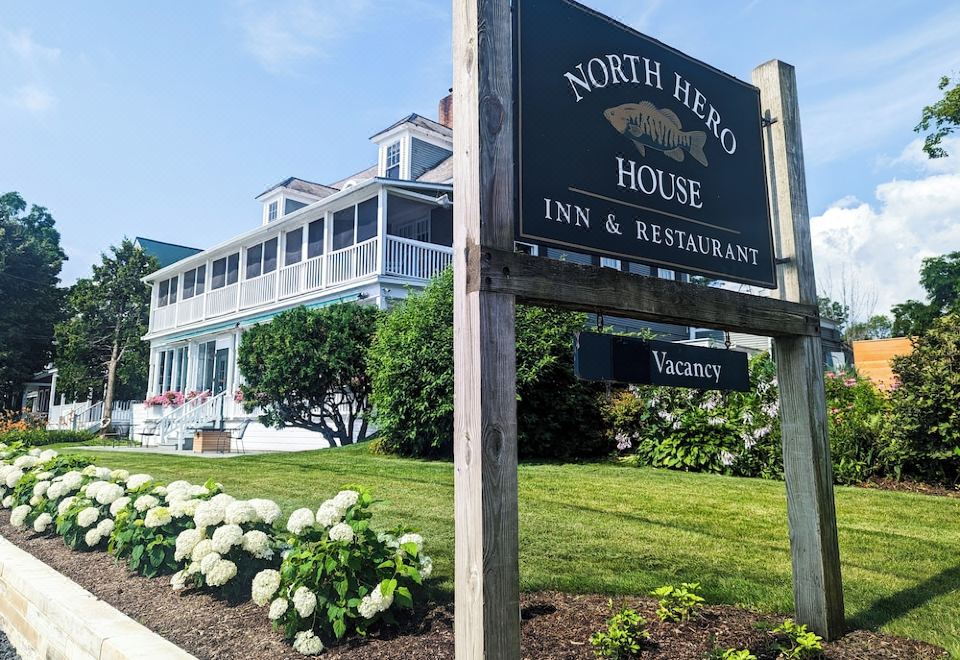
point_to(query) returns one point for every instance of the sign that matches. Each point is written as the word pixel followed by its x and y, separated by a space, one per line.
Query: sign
pixel 629 149
pixel 642 362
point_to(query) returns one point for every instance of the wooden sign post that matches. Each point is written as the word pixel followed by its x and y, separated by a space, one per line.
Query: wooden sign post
pixel 717 235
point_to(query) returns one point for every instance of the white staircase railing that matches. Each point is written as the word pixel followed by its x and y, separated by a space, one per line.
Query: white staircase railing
pixel 85 419
pixel 195 413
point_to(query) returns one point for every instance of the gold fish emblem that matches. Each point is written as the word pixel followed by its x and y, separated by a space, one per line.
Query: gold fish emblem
pixel 659 129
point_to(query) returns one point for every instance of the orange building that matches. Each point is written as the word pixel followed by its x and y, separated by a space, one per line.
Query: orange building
pixel 872 358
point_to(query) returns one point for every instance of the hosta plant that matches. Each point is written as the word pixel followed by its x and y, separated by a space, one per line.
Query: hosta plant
pixel 340 576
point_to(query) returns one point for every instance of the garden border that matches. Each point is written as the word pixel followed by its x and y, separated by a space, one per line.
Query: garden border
pixel 45 614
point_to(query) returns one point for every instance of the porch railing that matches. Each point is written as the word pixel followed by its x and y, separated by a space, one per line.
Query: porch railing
pixel 402 257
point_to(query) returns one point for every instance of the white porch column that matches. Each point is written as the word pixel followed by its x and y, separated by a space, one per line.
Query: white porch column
pixel 382 230
pixel 152 373
pixel 53 389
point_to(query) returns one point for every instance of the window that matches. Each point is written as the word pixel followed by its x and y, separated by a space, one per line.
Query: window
pixel 261 259
pixel 343 222
pixel 526 248
pixel 315 239
pixel 205 355
pixel 183 356
pixel 367 220
pixel 226 271
pixel 163 296
pixel 254 261
pixel 272 211
pixel 193 282
pixel 293 247
pixel 409 218
pixel 610 263
pixel 393 161
pixel 174 281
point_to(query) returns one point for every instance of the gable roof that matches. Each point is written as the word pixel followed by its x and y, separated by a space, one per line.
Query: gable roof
pixel 301 185
pixel 165 253
pixel 362 175
pixel 421 122
pixel 442 173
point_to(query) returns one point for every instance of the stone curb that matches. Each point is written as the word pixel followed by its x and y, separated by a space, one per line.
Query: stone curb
pixel 46 615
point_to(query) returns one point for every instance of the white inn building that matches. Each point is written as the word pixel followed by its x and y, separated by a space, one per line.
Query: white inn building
pixel 369 239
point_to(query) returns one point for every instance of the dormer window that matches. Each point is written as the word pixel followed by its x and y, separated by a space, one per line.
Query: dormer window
pixel 272 211
pixel 393 161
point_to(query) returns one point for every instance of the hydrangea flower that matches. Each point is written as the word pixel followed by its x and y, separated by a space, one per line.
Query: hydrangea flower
pixel 157 517
pixel 48 455
pixel 119 475
pixel 87 517
pixel 341 532
pixel 40 488
pixel 178 580
pixel 18 517
pixel 42 522
pixel 92 489
pixel 208 562
pixel 304 601
pixel 300 520
pixel 346 499
pixel 65 504
pixel 240 512
pixel 257 543
pixel 328 514
pixel 226 537
pixel 136 481
pixel 109 493
pixel 105 527
pixel 7 501
pixel 265 584
pixel 306 643
pixel 209 513
pixel 145 502
pixel 426 567
pixel 201 550
pixel 415 539
pixel 221 573
pixel 13 477
pixel 186 542
pixel 92 538
pixel 119 505
pixel 267 510
pixel 374 603
pixel 25 462
pixel 278 608
pixel 181 508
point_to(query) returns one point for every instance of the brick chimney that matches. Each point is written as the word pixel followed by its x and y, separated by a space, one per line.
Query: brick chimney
pixel 445 111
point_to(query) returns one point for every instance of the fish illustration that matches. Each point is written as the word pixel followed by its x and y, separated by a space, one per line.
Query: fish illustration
pixel 658 129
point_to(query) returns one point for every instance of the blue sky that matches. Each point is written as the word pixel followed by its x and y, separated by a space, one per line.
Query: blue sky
pixel 167 119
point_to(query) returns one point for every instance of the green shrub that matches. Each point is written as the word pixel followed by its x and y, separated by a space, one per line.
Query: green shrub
pixel 801 644
pixel 411 361
pixel 924 427
pixel 703 431
pixel 623 638
pixel 856 416
pixel 678 603
pixel 731 654
pixel 39 437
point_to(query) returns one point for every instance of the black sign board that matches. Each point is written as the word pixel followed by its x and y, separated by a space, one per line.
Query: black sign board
pixel 632 150
pixel 641 362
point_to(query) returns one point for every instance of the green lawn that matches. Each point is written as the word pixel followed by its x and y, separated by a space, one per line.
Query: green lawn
pixel 600 527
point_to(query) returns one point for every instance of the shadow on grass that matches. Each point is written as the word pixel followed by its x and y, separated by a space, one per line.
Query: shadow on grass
pixel 894 606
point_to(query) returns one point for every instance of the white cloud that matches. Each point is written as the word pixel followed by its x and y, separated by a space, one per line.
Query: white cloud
pixel 22 44
pixel 881 245
pixel 33 99
pixel 284 34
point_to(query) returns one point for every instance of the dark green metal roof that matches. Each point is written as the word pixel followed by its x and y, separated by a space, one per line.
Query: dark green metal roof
pixel 165 253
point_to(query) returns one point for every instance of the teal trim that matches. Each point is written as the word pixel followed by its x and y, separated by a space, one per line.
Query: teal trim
pixel 253 320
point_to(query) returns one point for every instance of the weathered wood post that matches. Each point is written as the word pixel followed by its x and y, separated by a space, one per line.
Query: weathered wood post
pixel 817 588
pixel 487 621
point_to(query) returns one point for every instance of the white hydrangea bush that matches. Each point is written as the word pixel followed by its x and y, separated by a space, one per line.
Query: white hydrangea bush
pixel 231 541
pixel 150 519
pixel 338 575
pixel 86 517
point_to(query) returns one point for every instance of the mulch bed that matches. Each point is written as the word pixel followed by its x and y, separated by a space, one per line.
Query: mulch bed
pixel 880 483
pixel 555 626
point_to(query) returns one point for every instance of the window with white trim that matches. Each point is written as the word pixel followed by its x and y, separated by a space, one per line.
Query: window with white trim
pixel 226 271
pixel 293 247
pixel 393 161
pixel 272 211
pixel 261 259
pixel 194 282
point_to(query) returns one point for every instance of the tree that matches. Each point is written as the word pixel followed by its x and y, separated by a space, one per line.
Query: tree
pixel 878 326
pixel 944 116
pixel 99 344
pixel 411 360
pixel 308 369
pixel 30 300
pixel 940 278
pixel 833 310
